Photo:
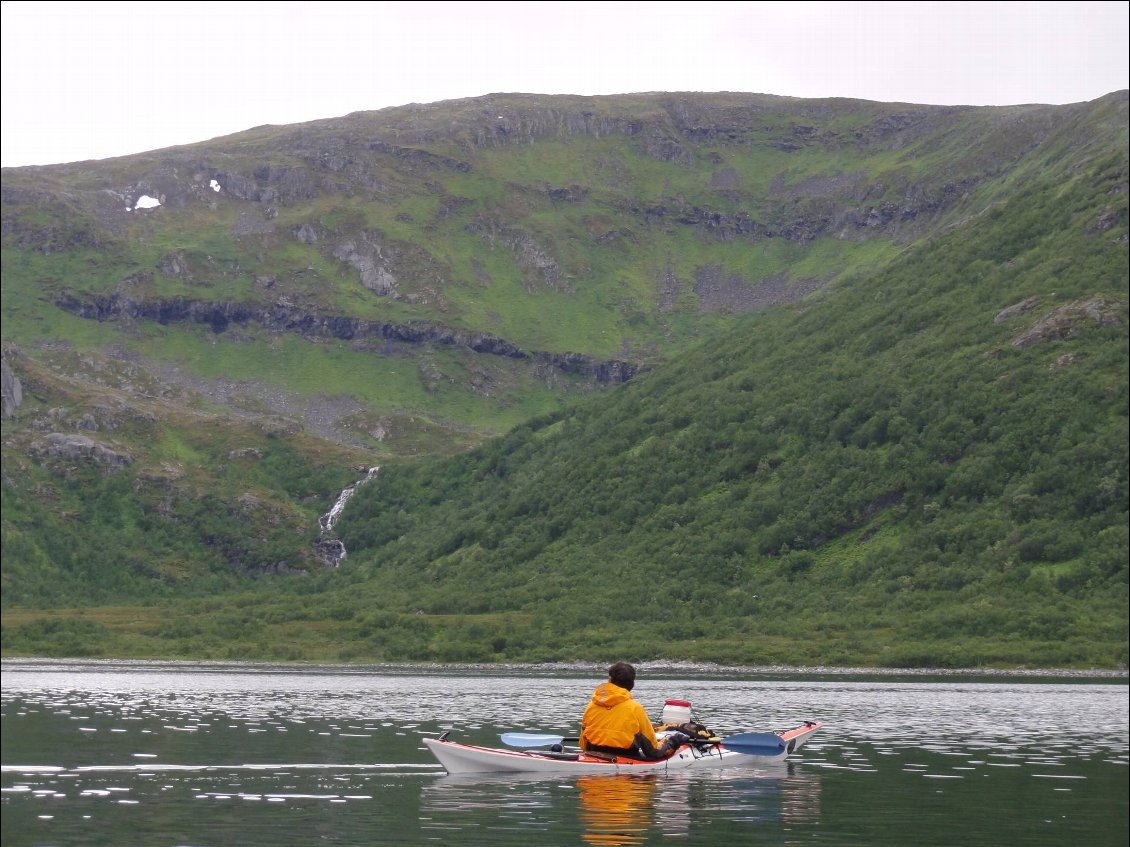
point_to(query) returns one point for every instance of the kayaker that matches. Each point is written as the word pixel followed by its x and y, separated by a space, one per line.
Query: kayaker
pixel 615 723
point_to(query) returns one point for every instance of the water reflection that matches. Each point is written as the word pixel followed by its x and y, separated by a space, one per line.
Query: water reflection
pixel 623 809
pixel 673 802
pixel 616 809
pixel 800 799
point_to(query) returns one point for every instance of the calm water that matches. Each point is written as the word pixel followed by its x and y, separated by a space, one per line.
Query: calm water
pixel 159 754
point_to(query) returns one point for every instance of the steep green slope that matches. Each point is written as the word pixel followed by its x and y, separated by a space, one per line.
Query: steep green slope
pixel 927 465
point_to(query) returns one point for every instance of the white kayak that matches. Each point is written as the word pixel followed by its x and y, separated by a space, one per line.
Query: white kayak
pixel 468 758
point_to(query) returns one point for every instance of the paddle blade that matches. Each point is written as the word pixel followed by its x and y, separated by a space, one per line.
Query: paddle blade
pixel 530 739
pixel 755 743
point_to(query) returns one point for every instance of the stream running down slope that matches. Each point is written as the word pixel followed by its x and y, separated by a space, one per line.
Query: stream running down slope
pixel 332 549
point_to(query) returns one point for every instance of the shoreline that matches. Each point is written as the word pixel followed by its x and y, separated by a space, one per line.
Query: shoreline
pixel 653 669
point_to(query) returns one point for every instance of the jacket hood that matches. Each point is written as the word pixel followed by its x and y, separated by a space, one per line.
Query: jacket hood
pixel 608 694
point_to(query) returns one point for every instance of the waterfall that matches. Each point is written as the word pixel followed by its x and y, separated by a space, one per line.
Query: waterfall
pixel 331 549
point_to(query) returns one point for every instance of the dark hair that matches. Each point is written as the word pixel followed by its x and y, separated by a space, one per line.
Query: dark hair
pixel 622 674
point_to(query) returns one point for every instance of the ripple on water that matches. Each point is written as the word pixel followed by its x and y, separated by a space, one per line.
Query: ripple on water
pixel 159 735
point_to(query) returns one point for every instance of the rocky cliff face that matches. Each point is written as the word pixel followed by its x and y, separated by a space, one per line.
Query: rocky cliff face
pixel 281 318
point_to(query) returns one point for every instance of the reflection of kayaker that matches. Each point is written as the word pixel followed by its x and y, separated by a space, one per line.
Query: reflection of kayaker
pixel 616 724
pixel 616 809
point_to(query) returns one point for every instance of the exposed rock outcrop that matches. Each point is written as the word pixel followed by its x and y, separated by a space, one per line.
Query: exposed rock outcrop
pixel 537 264
pixel 420 158
pixel 365 258
pixel 1068 320
pixel 330 551
pixel 718 291
pixel 568 194
pixel 10 387
pixel 1025 305
pixel 71 446
pixel 175 266
pixel 282 318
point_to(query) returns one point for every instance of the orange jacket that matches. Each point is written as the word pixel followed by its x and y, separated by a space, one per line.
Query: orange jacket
pixel 613 718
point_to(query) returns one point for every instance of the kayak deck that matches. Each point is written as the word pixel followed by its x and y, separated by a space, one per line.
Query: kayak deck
pixel 470 758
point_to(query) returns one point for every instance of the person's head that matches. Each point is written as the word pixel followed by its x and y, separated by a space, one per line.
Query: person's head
pixel 622 674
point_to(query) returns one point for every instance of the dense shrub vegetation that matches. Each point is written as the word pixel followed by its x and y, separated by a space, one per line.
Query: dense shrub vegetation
pixel 884 466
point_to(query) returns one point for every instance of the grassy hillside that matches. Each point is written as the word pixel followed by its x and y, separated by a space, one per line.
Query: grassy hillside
pixel 927 465
pixel 879 416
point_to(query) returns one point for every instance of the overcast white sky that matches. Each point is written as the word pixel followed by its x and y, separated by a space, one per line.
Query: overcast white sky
pixel 92 80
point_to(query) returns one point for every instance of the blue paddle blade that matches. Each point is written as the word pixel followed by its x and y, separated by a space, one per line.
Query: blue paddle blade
pixel 755 743
pixel 530 739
